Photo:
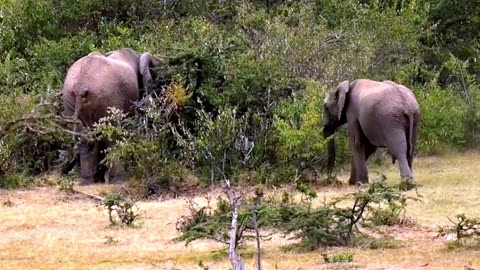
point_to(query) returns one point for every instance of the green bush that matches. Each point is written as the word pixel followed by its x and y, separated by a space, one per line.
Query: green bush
pixel 52 59
pixel 328 224
pixel 443 118
pixel 26 22
pixel 297 129
pixel 121 210
pixel 338 258
pixel 270 62
pixel 31 141
pixel 463 227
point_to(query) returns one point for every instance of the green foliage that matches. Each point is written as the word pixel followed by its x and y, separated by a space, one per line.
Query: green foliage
pixel 120 209
pixel 250 78
pixel 143 146
pixel 30 143
pixel 299 141
pixel 214 223
pixel 463 228
pixel 221 146
pixel 15 180
pixel 455 26
pixel 389 210
pixel 66 184
pixel 345 257
pixel 25 22
pixel 326 225
pixel 331 225
pixel 369 242
pixel 443 116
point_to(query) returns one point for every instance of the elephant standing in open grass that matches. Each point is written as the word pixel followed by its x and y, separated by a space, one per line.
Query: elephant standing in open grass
pixel 96 82
pixel 378 114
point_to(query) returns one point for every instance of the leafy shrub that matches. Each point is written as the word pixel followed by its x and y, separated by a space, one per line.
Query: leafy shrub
pixel 25 22
pixel 325 225
pixel 443 116
pixel 66 183
pixel 16 180
pixel 463 228
pixel 257 58
pixel 120 209
pixel 31 144
pixel 338 258
pixel 214 223
pixel 299 142
pixel 369 242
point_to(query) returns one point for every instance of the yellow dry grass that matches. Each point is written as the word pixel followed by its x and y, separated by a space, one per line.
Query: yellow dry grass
pixel 45 229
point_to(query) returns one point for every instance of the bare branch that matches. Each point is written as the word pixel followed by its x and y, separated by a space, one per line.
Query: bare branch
pixel 237 263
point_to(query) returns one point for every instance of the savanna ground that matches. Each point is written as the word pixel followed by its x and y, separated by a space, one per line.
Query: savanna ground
pixel 43 228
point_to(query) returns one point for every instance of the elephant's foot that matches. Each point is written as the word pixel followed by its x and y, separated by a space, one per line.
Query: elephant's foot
pixel 357 182
pixel 352 182
pixel 407 183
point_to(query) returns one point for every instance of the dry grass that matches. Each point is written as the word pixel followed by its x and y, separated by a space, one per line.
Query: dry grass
pixel 44 229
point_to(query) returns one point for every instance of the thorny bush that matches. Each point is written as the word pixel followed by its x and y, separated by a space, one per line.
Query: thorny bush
pixel 326 225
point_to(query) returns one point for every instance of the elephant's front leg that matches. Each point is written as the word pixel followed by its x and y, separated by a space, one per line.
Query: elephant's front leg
pixel 358 173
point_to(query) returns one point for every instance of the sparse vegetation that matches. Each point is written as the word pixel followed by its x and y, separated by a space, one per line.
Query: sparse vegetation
pixel 463 228
pixel 66 183
pixel 345 257
pixel 110 240
pixel 121 210
pixel 43 225
pixel 327 225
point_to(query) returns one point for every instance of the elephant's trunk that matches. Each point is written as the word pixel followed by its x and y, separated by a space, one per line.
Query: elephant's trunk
pixel 146 61
pixel 331 156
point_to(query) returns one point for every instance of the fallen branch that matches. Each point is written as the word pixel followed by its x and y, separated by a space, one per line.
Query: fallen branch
pixel 96 197
pixel 31 122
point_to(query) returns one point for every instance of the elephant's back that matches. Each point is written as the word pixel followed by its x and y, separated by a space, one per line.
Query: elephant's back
pixel 386 97
pixel 109 83
pixel 100 75
pixel 98 67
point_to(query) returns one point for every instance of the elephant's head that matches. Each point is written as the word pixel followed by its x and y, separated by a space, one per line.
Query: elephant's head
pixel 334 117
pixel 141 63
pixel 334 109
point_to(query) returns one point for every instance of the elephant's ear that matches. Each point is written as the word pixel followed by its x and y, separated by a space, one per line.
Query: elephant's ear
pixel 146 61
pixel 342 91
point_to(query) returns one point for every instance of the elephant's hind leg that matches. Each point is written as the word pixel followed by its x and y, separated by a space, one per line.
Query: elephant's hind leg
pixel 87 163
pixel 397 145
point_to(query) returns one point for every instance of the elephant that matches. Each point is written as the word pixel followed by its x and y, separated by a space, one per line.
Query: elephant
pixel 96 82
pixel 378 115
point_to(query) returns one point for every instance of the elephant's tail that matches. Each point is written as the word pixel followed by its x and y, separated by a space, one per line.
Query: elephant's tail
pixel 411 139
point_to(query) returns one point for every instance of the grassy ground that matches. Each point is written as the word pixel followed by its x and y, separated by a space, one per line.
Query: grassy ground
pixel 45 229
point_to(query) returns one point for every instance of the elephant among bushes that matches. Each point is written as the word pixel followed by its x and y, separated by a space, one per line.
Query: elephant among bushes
pixel 377 114
pixel 96 82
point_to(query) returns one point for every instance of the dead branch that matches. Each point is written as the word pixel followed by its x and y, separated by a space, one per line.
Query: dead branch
pixel 99 198
pixel 39 124
pixel 257 236
pixel 237 262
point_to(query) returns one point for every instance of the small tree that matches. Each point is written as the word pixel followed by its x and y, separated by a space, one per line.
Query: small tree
pixel 326 225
